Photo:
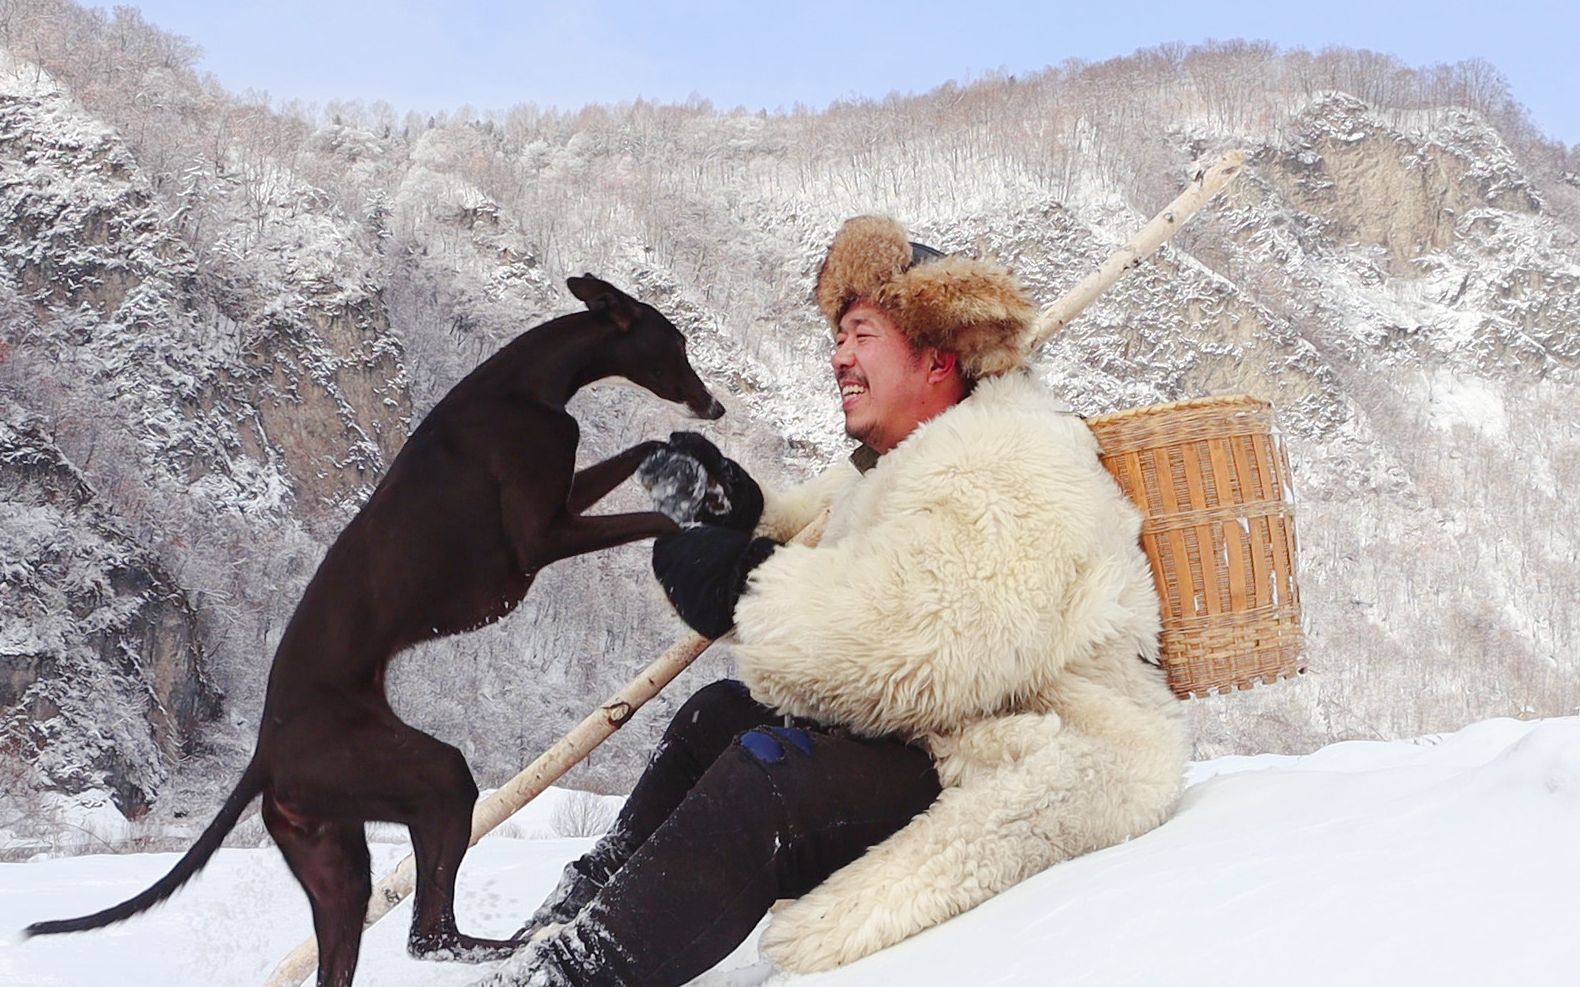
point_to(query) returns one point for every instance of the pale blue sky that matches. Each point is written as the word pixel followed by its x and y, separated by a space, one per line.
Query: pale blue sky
pixel 489 54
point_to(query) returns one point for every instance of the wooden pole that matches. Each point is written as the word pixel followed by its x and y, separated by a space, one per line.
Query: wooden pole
pixel 1151 236
pixel 569 750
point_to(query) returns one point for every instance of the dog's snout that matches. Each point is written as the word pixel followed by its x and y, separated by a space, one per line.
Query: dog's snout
pixel 712 410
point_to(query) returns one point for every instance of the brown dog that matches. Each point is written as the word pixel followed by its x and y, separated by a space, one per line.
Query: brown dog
pixel 483 495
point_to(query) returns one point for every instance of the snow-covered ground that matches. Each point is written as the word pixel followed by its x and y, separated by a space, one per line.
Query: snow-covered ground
pixel 1447 860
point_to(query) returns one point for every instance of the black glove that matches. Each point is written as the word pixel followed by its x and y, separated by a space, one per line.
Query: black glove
pixel 693 483
pixel 703 570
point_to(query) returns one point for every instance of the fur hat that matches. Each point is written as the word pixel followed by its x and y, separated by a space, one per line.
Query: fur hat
pixel 972 307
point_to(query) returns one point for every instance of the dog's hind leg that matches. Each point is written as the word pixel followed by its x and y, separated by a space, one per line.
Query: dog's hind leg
pixel 396 772
pixel 441 830
pixel 330 860
pixel 371 766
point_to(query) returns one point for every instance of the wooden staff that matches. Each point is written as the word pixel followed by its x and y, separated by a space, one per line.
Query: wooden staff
pixel 599 725
pixel 1165 224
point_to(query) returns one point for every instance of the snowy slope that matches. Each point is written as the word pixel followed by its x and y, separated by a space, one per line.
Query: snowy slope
pixel 1445 860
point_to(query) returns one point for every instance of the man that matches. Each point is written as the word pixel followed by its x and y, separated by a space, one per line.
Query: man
pixel 956 689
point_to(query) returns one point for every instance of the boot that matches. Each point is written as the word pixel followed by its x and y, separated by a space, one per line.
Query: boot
pixel 579 884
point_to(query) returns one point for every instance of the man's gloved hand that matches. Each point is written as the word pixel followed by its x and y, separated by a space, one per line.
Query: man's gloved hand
pixel 703 570
pixel 693 483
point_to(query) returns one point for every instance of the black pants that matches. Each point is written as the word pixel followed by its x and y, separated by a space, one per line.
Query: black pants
pixel 735 811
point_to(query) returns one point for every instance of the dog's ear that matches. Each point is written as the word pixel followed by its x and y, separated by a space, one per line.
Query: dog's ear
pixel 605 299
pixel 588 287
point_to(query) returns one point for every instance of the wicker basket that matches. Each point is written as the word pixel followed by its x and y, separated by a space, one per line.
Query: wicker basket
pixel 1211 477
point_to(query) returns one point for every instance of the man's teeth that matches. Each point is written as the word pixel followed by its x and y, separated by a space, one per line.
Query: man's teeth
pixel 850 389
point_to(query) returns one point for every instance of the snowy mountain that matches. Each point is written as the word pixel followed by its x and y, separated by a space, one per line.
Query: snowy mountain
pixel 1446 860
pixel 221 319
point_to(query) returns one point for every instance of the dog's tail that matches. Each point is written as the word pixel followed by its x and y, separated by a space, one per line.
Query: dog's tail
pixel 246 790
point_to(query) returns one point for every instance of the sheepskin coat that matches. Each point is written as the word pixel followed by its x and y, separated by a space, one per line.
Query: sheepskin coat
pixel 982 591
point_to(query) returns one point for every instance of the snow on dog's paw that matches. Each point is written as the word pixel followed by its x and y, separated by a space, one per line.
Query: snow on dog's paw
pixel 679 485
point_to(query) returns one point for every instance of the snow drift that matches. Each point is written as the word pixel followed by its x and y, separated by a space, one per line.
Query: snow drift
pixel 1444 860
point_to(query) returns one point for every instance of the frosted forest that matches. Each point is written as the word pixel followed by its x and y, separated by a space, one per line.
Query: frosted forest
pixel 219 319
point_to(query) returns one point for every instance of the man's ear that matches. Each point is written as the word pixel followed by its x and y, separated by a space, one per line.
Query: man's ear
pixel 604 299
pixel 941 365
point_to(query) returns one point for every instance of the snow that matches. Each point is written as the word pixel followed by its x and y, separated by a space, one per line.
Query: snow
pixel 1444 860
pixel 78 822
pixel 1456 399
pixel 22 79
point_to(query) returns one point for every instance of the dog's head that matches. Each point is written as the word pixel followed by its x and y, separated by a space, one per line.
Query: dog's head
pixel 646 348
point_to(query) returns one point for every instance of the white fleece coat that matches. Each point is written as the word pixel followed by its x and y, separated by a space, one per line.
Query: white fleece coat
pixel 981 590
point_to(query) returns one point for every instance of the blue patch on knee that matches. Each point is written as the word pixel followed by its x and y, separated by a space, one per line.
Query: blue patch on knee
pixel 762 746
pixel 796 736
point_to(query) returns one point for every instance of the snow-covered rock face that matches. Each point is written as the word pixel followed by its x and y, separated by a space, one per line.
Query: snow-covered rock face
pixel 227 321
pixel 103 680
pixel 1397 188
pixel 171 390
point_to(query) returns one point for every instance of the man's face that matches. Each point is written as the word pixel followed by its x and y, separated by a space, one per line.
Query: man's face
pixel 882 381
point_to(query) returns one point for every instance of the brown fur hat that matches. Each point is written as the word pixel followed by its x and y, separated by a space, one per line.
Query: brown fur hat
pixel 972 307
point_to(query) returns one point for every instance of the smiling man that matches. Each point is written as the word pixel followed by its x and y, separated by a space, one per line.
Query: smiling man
pixel 956 689
pixel 886 387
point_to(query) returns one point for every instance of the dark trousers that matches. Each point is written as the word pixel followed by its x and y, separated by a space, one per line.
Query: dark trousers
pixel 734 811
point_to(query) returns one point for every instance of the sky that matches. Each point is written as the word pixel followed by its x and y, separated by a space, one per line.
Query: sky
pixel 426 56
